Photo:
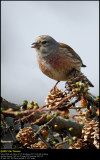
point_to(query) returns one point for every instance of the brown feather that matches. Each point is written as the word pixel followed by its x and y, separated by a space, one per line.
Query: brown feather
pixel 75 55
pixel 69 48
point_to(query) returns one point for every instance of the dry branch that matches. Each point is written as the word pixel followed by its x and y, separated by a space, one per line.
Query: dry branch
pixel 62 123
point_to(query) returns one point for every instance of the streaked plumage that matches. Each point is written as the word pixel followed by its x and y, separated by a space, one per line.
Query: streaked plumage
pixel 56 60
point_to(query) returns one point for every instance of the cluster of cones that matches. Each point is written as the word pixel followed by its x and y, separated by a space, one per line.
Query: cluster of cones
pixel 90 132
pixel 55 96
pixel 90 137
pixel 26 138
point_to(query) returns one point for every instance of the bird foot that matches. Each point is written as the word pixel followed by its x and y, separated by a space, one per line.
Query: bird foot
pixel 55 86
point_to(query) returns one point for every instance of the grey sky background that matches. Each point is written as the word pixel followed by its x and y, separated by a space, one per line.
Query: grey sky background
pixel 75 23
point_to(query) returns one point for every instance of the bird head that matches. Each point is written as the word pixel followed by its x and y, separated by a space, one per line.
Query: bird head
pixel 45 45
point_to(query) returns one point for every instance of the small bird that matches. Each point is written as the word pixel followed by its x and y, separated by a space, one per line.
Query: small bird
pixel 57 60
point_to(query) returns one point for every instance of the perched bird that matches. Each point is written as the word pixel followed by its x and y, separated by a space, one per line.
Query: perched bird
pixel 57 60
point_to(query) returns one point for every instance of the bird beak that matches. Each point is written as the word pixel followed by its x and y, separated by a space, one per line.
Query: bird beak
pixel 35 45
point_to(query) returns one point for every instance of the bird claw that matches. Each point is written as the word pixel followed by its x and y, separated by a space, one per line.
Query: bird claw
pixel 55 87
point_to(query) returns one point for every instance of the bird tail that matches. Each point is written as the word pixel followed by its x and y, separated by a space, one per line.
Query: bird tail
pixel 83 65
pixel 86 80
pixel 76 75
pixel 90 84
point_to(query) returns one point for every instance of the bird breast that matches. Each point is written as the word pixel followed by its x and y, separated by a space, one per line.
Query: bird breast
pixel 57 66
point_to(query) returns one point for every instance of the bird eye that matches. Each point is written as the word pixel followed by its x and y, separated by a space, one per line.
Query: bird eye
pixel 44 42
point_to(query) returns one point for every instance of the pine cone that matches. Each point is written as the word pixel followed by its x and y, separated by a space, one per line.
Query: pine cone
pixel 26 136
pixel 60 147
pixel 58 95
pixel 90 132
pixel 39 145
pixel 75 81
pixel 79 144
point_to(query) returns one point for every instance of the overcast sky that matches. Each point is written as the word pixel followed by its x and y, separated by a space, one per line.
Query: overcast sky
pixel 73 22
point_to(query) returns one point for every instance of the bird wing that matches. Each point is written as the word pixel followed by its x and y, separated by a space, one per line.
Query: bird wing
pixel 72 52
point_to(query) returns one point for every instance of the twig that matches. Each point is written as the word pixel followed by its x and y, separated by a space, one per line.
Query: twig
pixel 64 99
pixel 35 114
pixel 45 125
pixel 76 108
pixel 71 104
pixel 61 143
pixel 38 110
pixel 39 119
pixel 67 133
pixel 14 139
pixel 76 115
pixel 48 144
